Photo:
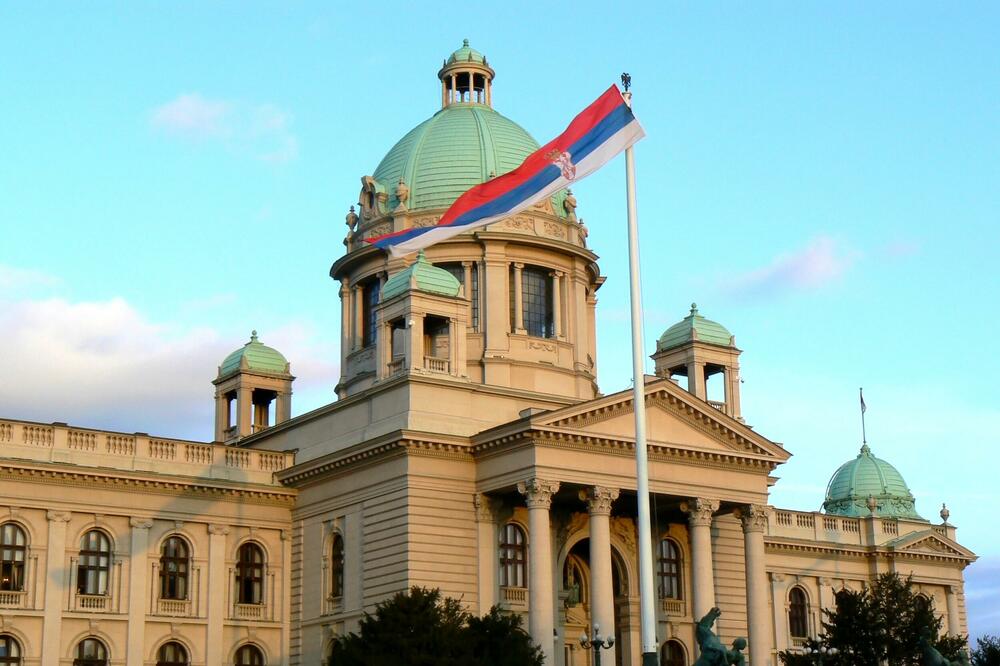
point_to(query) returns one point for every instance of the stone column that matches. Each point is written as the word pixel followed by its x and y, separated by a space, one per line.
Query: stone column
pixel 954 621
pixel 486 546
pixel 779 591
pixel 541 609
pixel 244 411
pixel 56 577
pixel 357 316
pixel 518 302
pixel 137 599
pixel 345 326
pixel 754 520
pixel 696 380
pixel 700 512
pixel 218 586
pixel 285 607
pixel 602 593
pixel 414 341
pixel 283 410
pixel 557 304
pixel 467 290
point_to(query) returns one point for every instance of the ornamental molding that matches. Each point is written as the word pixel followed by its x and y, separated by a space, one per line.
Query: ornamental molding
pixel 140 523
pixel 218 530
pixel 700 511
pixel 161 486
pixel 538 492
pixel 625 529
pixel 58 516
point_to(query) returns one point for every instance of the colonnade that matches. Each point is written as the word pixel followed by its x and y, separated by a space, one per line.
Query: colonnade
pixel 542 614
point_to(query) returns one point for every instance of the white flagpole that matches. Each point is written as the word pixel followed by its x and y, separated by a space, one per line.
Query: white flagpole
pixel 650 656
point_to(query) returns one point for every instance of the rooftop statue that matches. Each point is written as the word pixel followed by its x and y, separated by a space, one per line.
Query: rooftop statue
pixel 713 652
pixel 934 658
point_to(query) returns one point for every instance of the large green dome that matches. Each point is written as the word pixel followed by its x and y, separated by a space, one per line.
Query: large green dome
pixel 851 485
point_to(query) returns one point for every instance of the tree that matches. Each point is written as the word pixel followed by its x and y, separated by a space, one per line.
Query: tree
pixel 422 628
pixel 880 624
pixel 987 651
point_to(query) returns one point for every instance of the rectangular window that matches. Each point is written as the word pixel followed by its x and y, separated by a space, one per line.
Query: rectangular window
pixel 471 292
pixel 537 302
pixel 369 301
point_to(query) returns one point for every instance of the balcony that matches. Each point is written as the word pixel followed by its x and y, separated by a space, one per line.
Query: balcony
pixel 249 612
pixel 92 602
pixel 514 598
pixel 13 599
pixel 397 365
pixel 435 364
pixel 173 607
pixel 673 608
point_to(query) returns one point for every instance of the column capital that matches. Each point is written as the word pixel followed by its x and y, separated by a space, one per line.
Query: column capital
pixel 952 589
pixel 777 577
pixel 700 510
pixel 538 492
pixel 753 517
pixel 599 499
pixel 58 516
pixel 140 523
pixel 221 530
pixel 518 265
pixel 486 508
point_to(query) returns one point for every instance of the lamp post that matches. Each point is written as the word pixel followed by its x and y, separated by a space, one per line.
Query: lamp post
pixel 819 653
pixel 596 643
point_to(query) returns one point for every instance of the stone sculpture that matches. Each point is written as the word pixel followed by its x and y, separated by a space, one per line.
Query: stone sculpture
pixel 934 658
pixel 569 205
pixel 713 652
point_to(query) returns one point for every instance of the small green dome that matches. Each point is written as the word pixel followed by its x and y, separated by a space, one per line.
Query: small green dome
pixel 459 146
pixel 694 327
pixel 259 357
pixel 467 54
pixel 426 276
pixel 851 485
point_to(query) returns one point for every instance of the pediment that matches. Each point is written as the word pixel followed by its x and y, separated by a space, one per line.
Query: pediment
pixel 674 418
pixel 930 542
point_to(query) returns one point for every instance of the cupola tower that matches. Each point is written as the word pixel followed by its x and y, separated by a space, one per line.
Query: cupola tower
pixel 253 391
pixel 466 78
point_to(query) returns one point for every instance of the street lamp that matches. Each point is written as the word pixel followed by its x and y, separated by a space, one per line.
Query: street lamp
pixel 819 653
pixel 596 643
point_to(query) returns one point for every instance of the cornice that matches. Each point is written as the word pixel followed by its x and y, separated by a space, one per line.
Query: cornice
pixel 160 485
pixel 782 544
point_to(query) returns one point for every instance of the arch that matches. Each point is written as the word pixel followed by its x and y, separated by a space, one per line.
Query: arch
pixel 173 637
pixel 626 555
pixel 673 653
pixel 619 567
pixel 91 651
pixel 175 567
pixel 513 555
pixel 251 562
pixel 23 640
pixel 670 568
pixel 336 564
pixel 93 568
pixel 11 651
pixel 172 653
pixel 798 612
pixel 13 556
pixel 249 654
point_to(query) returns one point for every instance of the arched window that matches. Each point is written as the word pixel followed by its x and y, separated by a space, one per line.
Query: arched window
pixel 10 650
pixel 249 655
pixel 250 574
pixel 91 652
pixel 669 569
pixel 798 613
pixel 13 547
pixel 512 556
pixel 174 564
pixel 172 654
pixel 94 564
pixel 672 654
pixel 337 566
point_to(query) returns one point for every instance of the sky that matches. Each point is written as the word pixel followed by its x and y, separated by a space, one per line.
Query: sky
pixel 820 178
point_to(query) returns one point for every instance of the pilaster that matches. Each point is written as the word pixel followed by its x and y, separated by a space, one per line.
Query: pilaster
pixel 137 598
pixel 486 536
pixel 218 586
pixel 55 586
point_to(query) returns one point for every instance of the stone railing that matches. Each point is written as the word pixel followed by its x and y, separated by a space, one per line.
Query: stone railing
pixel 13 599
pixel 92 602
pixel 721 406
pixel 173 607
pixel 673 608
pixel 397 365
pixel 256 612
pixel 60 443
pixel 816 526
pixel 435 364
pixel 514 598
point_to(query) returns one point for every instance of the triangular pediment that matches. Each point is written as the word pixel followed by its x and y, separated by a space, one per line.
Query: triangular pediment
pixel 930 542
pixel 674 418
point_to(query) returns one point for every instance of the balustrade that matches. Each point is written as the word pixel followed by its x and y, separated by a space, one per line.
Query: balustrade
pixel 435 364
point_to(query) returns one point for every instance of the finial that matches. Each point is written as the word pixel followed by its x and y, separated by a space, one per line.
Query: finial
pixel 694 308
pixel 945 513
pixel 465 43
pixel 871 503
pixel 626 81
pixel 865 450
pixel 253 335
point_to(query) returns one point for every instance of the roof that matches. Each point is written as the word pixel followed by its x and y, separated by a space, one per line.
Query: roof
pixel 459 146
pixel 694 327
pixel 424 276
pixel 854 481
pixel 257 357
pixel 466 54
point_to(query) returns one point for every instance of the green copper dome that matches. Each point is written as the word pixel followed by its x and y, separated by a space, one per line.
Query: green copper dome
pixel 258 357
pixel 849 488
pixel 467 54
pixel 694 327
pixel 425 276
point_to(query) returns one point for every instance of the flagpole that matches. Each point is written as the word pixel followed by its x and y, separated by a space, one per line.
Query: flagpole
pixel 861 394
pixel 646 592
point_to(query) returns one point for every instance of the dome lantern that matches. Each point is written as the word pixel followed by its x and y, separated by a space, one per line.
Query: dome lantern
pixel 466 78
pixel 253 391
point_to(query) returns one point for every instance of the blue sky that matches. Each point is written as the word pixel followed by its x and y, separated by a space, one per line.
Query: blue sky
pixel 821 179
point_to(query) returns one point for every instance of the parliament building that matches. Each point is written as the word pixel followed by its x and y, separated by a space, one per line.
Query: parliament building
pixel 469 448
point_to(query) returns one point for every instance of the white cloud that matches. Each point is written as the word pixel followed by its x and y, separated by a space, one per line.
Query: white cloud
pixel 16 279
pixel 820 263
pixel 263 131
pixel 106 364
pixel 194 116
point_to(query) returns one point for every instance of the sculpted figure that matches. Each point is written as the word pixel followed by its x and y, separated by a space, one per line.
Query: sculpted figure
pixel 934 658
pixel 569 205
pixel 713 652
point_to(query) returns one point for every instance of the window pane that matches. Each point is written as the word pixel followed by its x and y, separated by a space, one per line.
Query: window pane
pixel 536 301
pixel 94 563
pixel 369 321
pixel 337 566
pixel 12 555
pixel 798 613
pixel 669 570
pixel 512 557
pixel 174 569
pixel 250 574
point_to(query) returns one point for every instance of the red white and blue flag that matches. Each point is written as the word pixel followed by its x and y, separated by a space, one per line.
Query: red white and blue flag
pixel 601 131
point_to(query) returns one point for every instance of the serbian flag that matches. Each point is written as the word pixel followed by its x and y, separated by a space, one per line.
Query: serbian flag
pixel 601 131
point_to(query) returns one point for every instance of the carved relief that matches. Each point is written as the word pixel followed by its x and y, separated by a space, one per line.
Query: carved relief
pixel 599 499
pixel 544 346
pixel 753 517
pixel 568 525
pixel 553 229
pixel 700 510
pixel 538 492
pixel 378 230
pixel 520 223
pixel 624 529
pixel 425 221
